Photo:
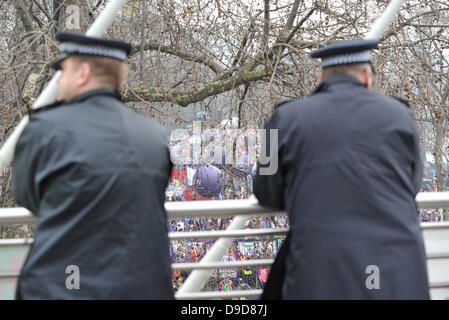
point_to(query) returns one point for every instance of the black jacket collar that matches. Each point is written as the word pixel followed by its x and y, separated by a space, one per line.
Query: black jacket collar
pixel 337 79
pixel 109 91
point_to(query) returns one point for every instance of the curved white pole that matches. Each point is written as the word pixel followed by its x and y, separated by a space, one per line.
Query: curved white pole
pixel 106 18
pixel 385 19
pixel 50 93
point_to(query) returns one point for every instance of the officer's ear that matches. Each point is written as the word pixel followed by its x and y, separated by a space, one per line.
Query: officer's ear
pixel 320 78
pixel 367 77
pixel 84 74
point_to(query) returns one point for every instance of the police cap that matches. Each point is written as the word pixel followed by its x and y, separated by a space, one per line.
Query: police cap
pixel 72 43
pixel 346 52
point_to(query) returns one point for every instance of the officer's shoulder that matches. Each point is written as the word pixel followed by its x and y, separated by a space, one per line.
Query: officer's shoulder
pixel 53 115
pixel 396 109
pixel 291 108
pixel 282 103
pixel 43 120
pixel 393 103
pixel 286 105
pixel 144 119
pixel 149 124
pixel 402 101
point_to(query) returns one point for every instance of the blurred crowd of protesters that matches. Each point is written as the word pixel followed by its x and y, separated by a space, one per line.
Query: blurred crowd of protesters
pixel 210 223
pixel 185 251
pixel 430 215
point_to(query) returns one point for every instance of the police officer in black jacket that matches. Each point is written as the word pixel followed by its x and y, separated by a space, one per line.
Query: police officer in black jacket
pixel 348 171
pixel 94 173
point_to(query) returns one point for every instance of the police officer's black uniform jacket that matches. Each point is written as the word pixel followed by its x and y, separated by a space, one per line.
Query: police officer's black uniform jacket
pixel 94 173
pixel 349 171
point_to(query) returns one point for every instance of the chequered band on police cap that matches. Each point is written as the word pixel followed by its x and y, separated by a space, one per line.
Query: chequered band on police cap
pixel 346 58
pixel 92 50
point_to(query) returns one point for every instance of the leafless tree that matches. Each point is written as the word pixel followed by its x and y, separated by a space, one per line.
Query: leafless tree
pixel 232 58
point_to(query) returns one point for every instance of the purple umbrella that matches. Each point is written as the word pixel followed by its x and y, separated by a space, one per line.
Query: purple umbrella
pixel 208 181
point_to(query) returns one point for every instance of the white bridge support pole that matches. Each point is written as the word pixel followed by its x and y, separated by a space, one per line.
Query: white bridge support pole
pixel 198 278
pixel 50 93
pixel 385 19
pixel 105 18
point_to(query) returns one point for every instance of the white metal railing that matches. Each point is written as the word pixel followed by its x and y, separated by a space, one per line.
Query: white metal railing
pixel 219 208
pixel 437 235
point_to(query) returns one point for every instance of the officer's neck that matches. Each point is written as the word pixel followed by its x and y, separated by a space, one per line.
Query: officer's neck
pixel 91 87
pixel 364 78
